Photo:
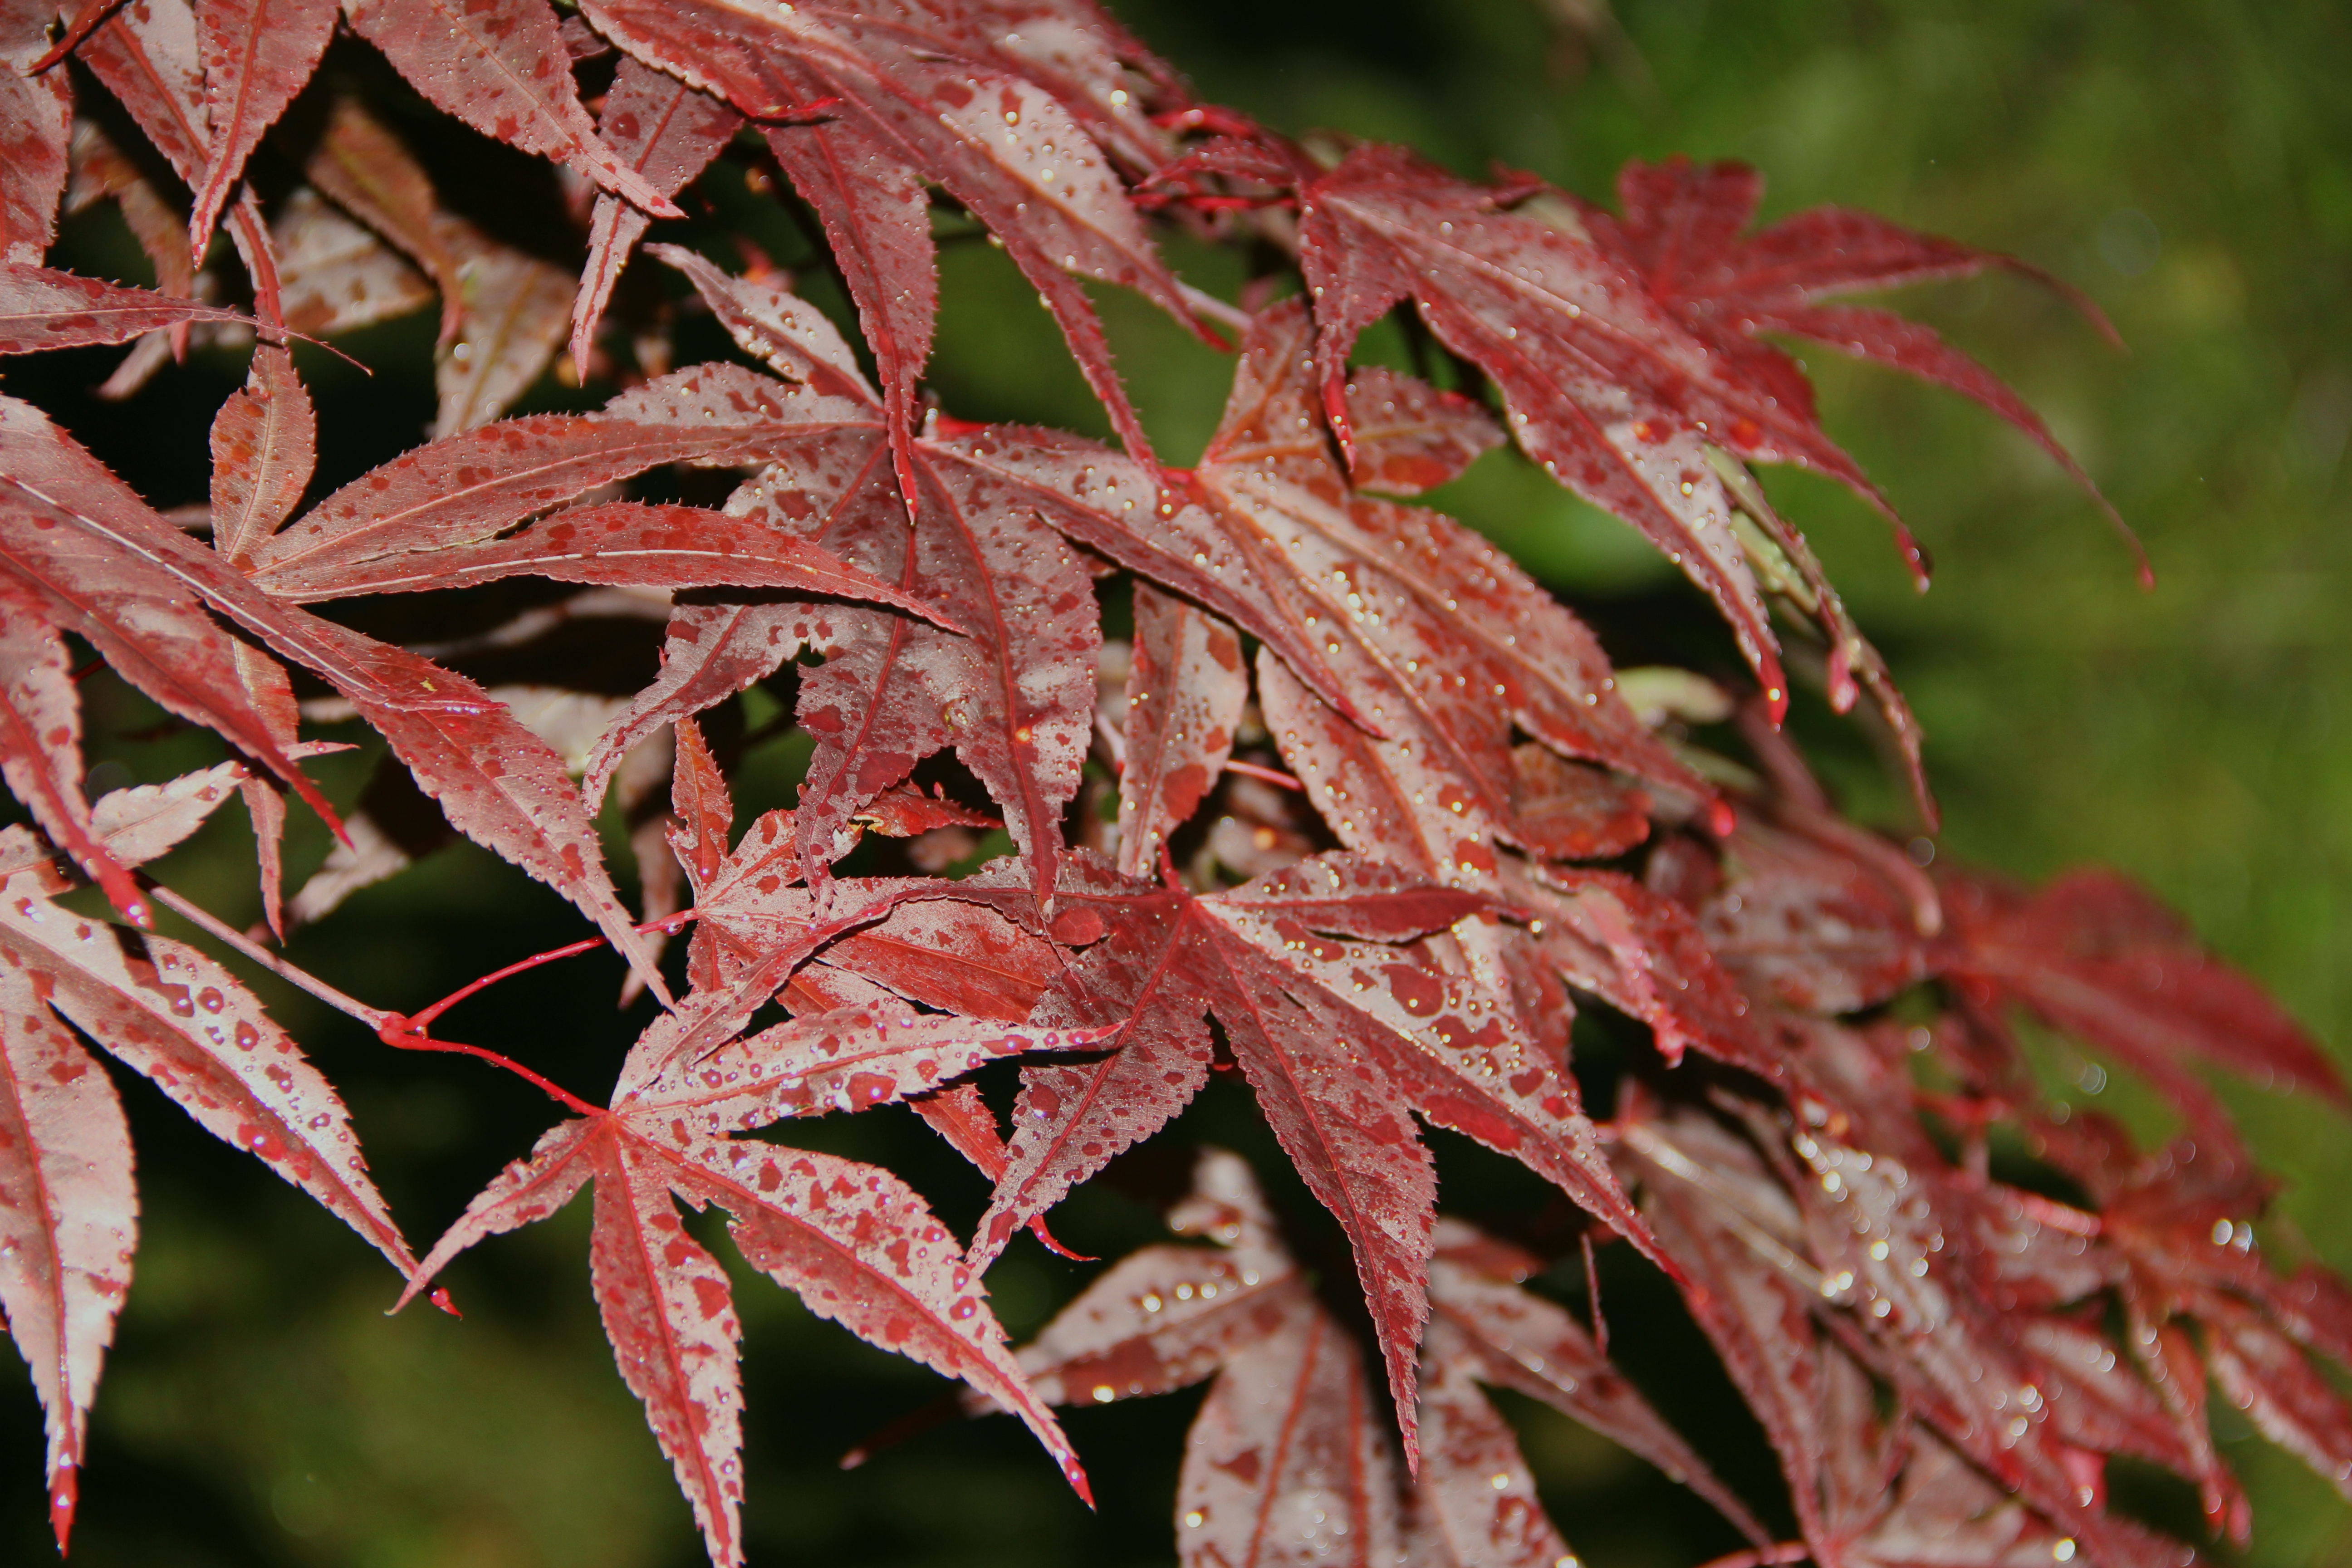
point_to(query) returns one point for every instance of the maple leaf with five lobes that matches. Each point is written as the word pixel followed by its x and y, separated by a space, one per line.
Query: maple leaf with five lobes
pixel 852 1240
pixel 886 100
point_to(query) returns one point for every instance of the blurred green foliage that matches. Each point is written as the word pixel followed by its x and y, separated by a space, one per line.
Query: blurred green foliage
pixel 2188 162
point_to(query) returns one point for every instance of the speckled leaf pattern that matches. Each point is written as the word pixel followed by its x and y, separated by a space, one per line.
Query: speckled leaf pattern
pixel 857 1245
pixel 359 164
pixel 913 101
pixel 70 1217
pixel 499 783
pixel 1588 364
pixel 170 1013
pixel 1406 435
pixel 257 54
pixel 621 543
pixel 264 442
pixel 669 1313
pixel 335 275
pixel 1682 224
pixel 1354 809
pixel 1184 695
pixel 107 568
pixel 1474 1504
pixel 36 120
pixel 40 745
pixel 710 653
pixel 1286 1463
pixel 144 822
pixel 500 67
pixel 1512 1338
pixel 40 308
pixel 669 134
pixel 849 1059
pixel 1442 643
pixel 472 486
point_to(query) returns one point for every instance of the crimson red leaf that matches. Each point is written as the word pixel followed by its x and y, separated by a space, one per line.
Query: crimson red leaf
pixel 146 56
pixel 470 487
pixel 264 443
pixel 1185 689
pixel 1817 917
pixel 623 543
pixel 336 275
pixel 44 309
pixel 1474 1504
pixel 361 166
pixel 850 1058
pixel 711 651
pixel 500 67
pixel 70 1218
pixel 1441 642
pixel 144 821
pixel 905 812
pixel 1406 436
pixel 515 308
pixel 857 1245
pixel 1644 954
pixel 499 783
pixel 1603 387
pixel 40 745
pixel 36 118
pixel 907 98
pixel 669 134
pixel 1682 225
pixel 1570 811
pixel 107 568
pixel 668 1312
pixel 2097 957
pixel 878 223
pixel 1165 1317
pixel 167 1011
pixel 706 812
pixel 854 1243
pixel 1514 1339
pixel 1286 1463
pixel 2264 1374
pixel 257 54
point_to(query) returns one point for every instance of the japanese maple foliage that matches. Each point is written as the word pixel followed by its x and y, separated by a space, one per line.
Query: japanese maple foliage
pixel 1295 779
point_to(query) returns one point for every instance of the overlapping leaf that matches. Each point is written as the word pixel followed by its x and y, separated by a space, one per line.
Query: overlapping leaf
pixel 887 101
pixel 1288 1460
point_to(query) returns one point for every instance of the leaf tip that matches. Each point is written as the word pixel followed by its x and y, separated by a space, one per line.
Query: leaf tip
pixel 65 1494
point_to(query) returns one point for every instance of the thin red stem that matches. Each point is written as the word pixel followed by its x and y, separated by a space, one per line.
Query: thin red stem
pixel 1266 775
pixel 374 1017
pixel 424 1020
pixel 399 1033
pixel 569 950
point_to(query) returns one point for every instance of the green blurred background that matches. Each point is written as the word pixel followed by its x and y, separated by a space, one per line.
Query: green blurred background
pixel 2189 164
